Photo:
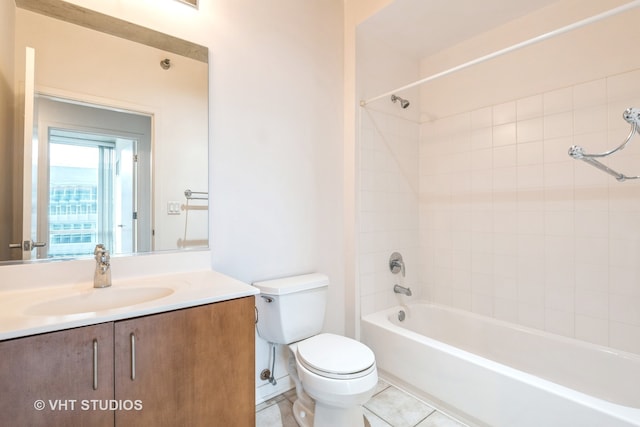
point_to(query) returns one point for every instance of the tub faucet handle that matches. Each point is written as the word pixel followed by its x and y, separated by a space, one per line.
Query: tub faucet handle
pixel 396 264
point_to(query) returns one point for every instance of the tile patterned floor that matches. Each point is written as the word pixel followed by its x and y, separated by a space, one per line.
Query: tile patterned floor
pixel 389 407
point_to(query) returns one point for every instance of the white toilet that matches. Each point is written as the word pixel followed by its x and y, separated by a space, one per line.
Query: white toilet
pixel 334 375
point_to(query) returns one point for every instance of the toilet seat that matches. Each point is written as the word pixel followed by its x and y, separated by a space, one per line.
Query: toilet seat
pixel 335 356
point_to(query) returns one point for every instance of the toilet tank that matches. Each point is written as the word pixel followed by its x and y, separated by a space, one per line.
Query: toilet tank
pixel 292 308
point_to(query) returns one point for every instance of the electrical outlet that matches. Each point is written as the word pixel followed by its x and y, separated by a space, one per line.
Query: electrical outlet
pixel 173 208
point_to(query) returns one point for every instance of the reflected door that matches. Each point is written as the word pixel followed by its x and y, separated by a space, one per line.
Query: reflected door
pixel 30 156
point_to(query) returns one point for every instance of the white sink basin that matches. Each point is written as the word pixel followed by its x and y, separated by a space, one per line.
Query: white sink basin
pixel 93 300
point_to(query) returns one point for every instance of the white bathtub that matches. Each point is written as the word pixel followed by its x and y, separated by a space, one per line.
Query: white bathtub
pixel 493 373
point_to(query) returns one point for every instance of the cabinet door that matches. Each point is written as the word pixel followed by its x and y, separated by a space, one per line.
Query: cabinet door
pixel 191 367
pixel 50 379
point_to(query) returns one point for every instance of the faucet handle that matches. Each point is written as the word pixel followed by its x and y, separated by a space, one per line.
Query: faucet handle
pixel 396 264
pixel 101 254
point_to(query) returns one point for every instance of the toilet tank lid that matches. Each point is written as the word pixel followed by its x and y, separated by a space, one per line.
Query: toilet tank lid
pixel 287 285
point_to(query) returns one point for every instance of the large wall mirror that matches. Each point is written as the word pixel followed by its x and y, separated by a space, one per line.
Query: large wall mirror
pixel 117 135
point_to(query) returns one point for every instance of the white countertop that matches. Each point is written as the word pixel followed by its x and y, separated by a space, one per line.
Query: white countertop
pixel 32 311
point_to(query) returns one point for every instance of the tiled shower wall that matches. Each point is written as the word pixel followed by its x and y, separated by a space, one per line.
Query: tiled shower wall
pixel 388 200
pixel 511 226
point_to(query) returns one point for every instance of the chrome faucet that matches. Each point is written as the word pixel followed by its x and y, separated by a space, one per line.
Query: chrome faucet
pixel 402 290
pixel 102 275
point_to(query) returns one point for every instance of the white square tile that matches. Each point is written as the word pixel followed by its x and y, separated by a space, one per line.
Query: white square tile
pixel 560 298
pixel 482 304
pixel 530 177
pixel 374 420
pixel 590 94
pixel 558 125
pixel 592 250
pixel 591 199
pixel 461 299
pixel 438 419
pixel 623 86
pixel 530 107
pixel 558 101
pixel 531 222
pixel 560 322
pixel 624 308
pixel 622 280
pixel 505 309
pixel 624 336
pixel 531 153
pixel 482 159
pixel 592 303
pixel 482 118
pixel 593 277
pixel 590 119
pixel 505 180
pixel 592 224
pixel 560 223
pixel 504 156
pixel 506 288
pixel 482 138
pixel 531 315
pixel 531 294
pixel 559 175
pixel 556 149
pixel 398 408
pixel 591 329
pixel 504 134
pixel 504 113
pixel 530 130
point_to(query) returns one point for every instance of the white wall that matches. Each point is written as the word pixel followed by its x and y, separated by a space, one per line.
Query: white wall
pixel 277 146
pixel 511 226
pixel 276 135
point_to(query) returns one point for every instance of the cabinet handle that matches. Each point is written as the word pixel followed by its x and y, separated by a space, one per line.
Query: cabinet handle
pixel 95 364
pixel 133 356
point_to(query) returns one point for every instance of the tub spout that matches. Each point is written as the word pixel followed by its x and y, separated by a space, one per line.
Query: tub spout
pixel 402 290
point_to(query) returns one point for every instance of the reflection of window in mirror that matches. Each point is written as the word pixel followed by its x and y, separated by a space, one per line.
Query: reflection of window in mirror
pixel 91 179
pixel 92 189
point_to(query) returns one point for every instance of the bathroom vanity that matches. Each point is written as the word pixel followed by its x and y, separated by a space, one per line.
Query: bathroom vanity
pixel 186 358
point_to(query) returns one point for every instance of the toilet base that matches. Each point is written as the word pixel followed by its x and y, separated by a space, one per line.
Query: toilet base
pixel 328 417
pixel 303 414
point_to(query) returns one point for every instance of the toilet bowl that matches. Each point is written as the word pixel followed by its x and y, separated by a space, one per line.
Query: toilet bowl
pixel 334 375
pixel 339 374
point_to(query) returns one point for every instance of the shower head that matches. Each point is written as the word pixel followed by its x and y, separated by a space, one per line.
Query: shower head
pixel 403 102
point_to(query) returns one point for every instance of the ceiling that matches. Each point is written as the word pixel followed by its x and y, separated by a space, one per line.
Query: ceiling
pixel 421 28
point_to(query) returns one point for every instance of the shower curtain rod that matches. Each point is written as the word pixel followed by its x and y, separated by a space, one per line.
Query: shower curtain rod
pixel 537 39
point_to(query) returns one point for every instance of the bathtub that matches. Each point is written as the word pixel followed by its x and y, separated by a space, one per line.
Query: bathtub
pixel 493 373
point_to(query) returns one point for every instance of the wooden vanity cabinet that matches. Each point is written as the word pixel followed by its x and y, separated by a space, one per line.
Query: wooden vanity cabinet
pixel 190 367
pixel 44 378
